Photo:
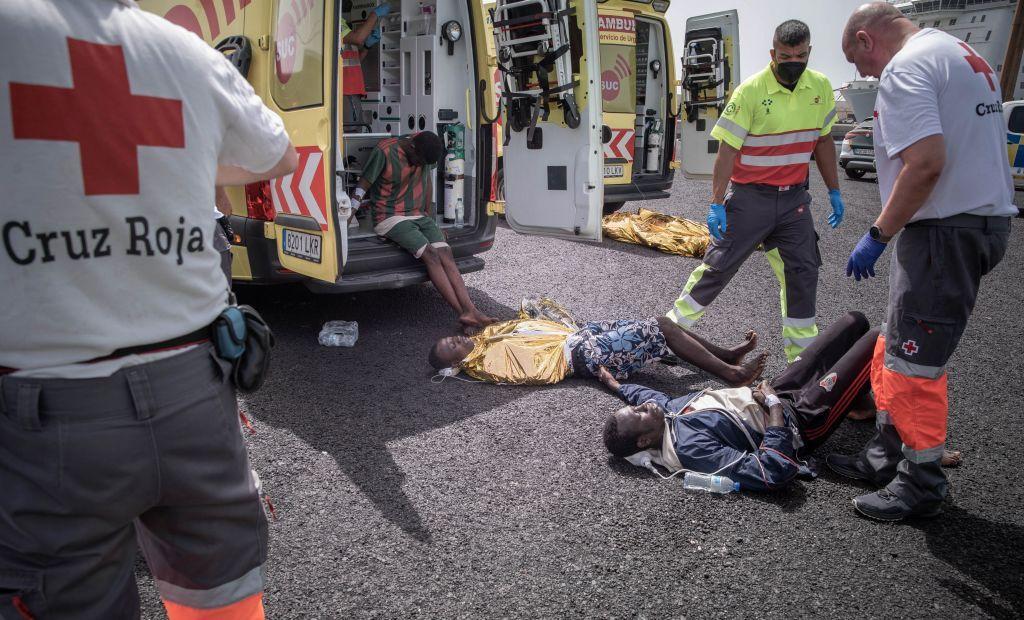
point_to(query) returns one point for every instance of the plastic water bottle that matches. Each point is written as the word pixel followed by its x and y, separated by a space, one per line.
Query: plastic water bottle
pixel 339 334
pixel 460 211
pixel 693 481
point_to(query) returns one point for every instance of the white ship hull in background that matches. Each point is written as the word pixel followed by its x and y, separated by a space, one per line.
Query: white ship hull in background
pixel 861 94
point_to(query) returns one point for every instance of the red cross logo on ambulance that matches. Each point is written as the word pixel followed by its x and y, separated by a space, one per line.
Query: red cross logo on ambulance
pixel 910 347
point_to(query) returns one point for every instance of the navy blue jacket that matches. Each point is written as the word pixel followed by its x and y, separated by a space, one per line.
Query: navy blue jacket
pixel 707 440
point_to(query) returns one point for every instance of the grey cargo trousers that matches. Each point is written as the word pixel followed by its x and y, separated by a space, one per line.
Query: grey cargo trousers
pixel 152 453
pixel 782 221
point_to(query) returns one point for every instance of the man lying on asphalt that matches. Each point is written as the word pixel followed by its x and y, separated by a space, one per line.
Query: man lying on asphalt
pixel 755 437
pixel 537 351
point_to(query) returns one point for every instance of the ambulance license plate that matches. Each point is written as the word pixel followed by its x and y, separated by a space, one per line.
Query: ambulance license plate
pixel 613 171
pixel 302 245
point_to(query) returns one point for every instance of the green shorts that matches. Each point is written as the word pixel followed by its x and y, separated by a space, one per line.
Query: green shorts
pixel 416 235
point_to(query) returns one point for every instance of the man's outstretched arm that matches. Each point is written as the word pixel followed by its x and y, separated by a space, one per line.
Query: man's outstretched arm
pixel 632 393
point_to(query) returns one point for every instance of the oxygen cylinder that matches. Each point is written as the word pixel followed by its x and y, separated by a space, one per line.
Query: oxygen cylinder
pixel 454 172
pixel 652 145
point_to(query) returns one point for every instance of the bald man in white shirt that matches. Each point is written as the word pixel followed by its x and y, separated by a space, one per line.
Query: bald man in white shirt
pixel 946 191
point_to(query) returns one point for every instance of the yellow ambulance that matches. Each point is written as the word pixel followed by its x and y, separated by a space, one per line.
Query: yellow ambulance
pixel 638 103
pixel 429 71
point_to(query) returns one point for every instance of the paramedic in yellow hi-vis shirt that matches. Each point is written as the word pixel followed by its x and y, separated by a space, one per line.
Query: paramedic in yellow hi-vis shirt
pixel 772 124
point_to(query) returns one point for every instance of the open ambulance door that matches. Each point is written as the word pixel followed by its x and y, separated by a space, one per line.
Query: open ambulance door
pixel 552 159
pixel 710 73
pixel 304 76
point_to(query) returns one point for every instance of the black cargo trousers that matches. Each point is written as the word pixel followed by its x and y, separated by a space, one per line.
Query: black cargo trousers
pixel 152 454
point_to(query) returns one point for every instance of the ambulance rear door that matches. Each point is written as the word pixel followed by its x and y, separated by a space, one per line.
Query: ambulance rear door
pixel 553 183
pixel 619 69
pixel 710 73
pixel 302 73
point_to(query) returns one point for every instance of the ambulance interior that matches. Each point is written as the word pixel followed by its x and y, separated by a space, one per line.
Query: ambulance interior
pixel 419 77
pixel 651 99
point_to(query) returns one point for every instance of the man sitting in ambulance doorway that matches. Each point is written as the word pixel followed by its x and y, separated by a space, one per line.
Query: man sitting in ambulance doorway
pixel 396 187
pixel 757 437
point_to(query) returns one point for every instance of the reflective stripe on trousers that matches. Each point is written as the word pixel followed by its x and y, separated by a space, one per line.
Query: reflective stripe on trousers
pixel 797 333
pixel 916 402
pixel 686 311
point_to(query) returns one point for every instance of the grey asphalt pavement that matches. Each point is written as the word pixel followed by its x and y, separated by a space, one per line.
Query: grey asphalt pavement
pixel 399 497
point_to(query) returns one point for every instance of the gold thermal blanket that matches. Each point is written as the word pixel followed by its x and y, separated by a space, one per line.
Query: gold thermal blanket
pixel 525 350
pixel 667 233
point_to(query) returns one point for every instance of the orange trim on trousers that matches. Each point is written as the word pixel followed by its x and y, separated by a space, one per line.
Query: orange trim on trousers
pixel 249 608
pixel 917 406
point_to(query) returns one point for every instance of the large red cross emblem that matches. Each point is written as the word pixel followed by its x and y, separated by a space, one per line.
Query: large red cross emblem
pixel 101 114
pixel 910 347
pixel 979 65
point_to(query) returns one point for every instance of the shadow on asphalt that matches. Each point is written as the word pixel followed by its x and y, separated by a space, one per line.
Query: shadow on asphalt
pixel 351 403
pixel 985 553
pixel 354 403
pixel 789 499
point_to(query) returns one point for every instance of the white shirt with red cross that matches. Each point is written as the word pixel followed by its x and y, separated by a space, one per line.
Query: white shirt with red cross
pixel 112 122
pixel 938 85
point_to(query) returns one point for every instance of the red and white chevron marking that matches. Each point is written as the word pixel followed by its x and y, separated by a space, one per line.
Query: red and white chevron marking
pixel 621 145
pixel 302 192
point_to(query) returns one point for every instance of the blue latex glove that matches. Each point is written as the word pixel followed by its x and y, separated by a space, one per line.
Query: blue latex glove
pixel 838 208
pixel 716 220
pixel 862 260
pixel 382 10
pixel 373 38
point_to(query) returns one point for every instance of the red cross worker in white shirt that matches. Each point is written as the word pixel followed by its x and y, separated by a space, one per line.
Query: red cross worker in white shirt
pixel 947 193
pixel 118 419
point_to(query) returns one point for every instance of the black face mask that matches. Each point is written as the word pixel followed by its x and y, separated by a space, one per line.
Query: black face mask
pixel 790 72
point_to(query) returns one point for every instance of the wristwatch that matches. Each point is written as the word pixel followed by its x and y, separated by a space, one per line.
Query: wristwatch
pixel 876 233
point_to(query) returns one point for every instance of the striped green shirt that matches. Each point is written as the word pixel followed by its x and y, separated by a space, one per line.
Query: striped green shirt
pixel 396 186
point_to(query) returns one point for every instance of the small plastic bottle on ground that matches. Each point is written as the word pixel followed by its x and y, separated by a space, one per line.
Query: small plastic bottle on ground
pixel 693 481
pixel 339 334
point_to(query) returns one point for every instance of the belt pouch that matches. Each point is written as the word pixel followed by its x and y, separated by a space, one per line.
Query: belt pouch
pixel 229 334
pixel 253 365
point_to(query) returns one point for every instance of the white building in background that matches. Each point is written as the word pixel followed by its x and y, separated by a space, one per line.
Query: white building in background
pixel 984 24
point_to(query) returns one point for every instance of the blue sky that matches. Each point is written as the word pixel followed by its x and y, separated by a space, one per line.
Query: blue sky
pixel 758 19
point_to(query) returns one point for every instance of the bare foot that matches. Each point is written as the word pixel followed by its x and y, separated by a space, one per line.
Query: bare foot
pixel 746 373
pixel 863 408
pixel 952 458
pixel 470 320
pixel 482 318
pixel 736 354
pixel 861 415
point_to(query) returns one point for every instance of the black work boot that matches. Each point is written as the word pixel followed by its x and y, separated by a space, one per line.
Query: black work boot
pixel 917 491
pixel 876 463
pixel 850 467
